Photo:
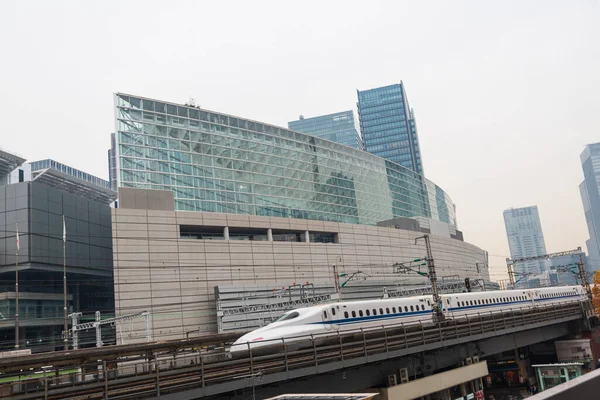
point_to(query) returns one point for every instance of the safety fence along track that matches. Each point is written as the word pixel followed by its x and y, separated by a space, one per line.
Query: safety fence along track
pixel 192 372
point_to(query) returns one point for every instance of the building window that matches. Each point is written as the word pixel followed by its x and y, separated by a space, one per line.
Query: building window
pixel 201 232
pixel 323 237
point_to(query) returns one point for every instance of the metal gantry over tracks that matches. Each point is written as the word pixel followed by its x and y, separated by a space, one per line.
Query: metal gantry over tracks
pixel 192 372
pixel 580 266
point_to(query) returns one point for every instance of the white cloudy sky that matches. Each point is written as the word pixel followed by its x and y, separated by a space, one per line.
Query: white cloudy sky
pixel 506 93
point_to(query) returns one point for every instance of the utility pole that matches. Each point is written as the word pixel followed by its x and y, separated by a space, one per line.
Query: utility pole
pixel 336 280
pixel 432 278
pixel 65 316
pixel 511 272
pixel 583 275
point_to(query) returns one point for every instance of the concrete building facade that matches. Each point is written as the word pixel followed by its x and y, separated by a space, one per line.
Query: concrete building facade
pixel 178 264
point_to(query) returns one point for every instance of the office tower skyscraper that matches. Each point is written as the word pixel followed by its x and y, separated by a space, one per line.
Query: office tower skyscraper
pixel 525 239
pixel 338 127
pixel 590 196
pixel 388 126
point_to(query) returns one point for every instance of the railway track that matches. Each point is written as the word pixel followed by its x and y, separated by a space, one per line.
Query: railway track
pixel 158 381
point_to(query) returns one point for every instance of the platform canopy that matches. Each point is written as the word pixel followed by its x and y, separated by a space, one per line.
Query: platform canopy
pixel 78 187
pixel 9 162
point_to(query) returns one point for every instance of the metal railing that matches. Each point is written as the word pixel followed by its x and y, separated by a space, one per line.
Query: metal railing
pixel 200 373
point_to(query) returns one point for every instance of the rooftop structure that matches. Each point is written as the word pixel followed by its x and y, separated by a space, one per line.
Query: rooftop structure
pixel 8 162
pixel 72 180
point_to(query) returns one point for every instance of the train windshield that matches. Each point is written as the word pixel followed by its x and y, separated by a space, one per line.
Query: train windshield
pixel 288 316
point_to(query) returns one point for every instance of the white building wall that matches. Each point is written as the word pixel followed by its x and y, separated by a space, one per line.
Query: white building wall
pixel 174 278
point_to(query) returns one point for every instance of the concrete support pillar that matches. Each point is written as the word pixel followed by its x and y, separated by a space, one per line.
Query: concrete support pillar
pixel 270 235
pixel 463 389
pixel 226 233
pixel 306 237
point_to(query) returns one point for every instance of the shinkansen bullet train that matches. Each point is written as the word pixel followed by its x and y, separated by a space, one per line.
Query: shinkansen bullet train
pixel 296 326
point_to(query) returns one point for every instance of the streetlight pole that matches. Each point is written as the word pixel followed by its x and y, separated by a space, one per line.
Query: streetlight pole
pixel 65 316
pixel 17 289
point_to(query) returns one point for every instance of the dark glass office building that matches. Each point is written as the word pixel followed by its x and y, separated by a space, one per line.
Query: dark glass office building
pixel 388 126
pixel 35 209
pixel 338 127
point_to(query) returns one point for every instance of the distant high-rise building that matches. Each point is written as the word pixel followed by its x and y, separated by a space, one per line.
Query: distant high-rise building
pixel 590 196
pixel 388 126
pixel 112 163
pixel 525 239
pixel 338 127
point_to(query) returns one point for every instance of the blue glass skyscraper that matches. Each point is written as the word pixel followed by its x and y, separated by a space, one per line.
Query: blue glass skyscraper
pixel 338 127
pixel 388 126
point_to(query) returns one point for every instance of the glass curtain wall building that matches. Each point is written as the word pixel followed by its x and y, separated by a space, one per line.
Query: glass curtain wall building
pixel 215 162
pixel 525 239
pixel 590 196
pixel 388 126
pixel 338 127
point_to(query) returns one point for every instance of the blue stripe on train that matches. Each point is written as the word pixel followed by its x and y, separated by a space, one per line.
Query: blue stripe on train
pixel 353 320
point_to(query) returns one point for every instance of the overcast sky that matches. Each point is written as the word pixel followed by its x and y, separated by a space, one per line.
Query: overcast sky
pixel 506 93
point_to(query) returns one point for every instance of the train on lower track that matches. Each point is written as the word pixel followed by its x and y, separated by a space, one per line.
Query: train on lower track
pixel 298 328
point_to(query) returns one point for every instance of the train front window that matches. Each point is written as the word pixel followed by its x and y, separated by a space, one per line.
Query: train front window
pixel 288 316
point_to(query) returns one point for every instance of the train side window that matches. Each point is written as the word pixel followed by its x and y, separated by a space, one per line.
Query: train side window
pixel 368 312
pixel 422 307
pixel 374 311
pixel 471 302
pixel 325 314
pixel 360 313
pixel 381 311
pixel 333 311
pixel 447 301
pixel 387 310
pixel 406 308
pixel 345 314
pixel 394 310
pixel 412 308
pixel 353 314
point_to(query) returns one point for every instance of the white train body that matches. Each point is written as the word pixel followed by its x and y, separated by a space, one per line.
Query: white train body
pixel 298 325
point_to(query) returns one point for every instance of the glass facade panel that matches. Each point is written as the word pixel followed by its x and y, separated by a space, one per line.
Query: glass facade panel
pixel 238 166
pixel 338 127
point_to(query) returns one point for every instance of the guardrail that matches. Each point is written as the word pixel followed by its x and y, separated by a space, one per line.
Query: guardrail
pixel 199 374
